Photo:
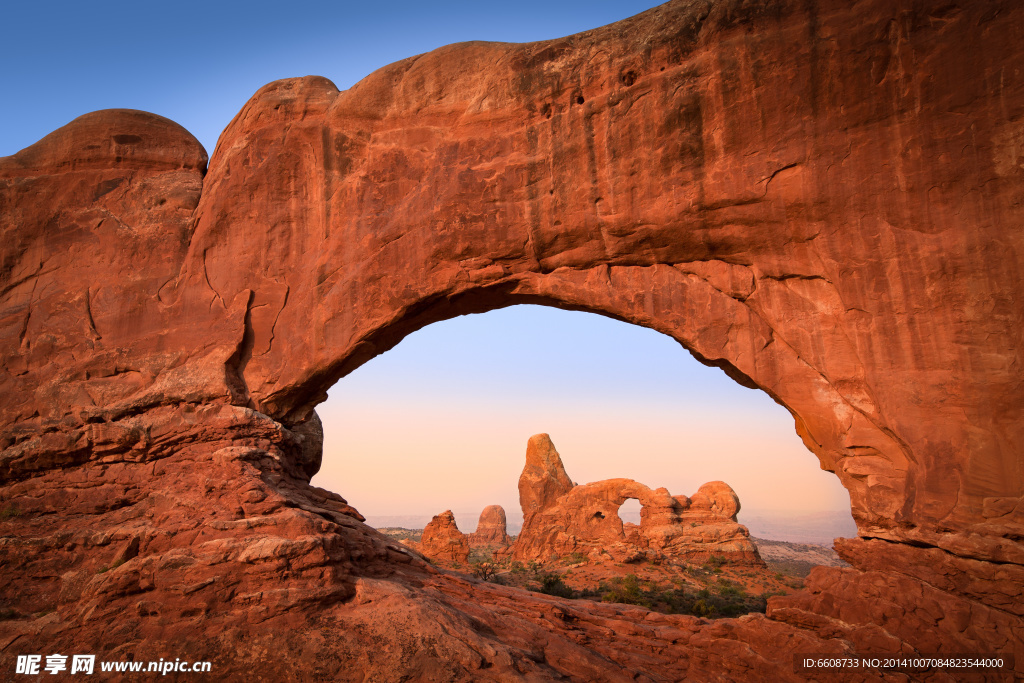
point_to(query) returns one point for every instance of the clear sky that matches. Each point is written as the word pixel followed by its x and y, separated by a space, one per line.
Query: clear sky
pixel 442 420
pixel 197 62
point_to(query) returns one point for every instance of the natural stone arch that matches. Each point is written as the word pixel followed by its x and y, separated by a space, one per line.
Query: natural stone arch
pixel 840 234
pixel 710 325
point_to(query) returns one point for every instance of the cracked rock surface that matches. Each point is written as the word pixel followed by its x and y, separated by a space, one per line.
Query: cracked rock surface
pixel 823 199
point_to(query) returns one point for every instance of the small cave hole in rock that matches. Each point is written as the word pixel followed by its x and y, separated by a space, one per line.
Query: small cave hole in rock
pixel 629 512
pixel 579 99
pixel 448 418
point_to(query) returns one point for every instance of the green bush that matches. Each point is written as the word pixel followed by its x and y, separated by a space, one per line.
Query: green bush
pixel 716 561
pixel 627 590
pixel 552 584
pixel 727 600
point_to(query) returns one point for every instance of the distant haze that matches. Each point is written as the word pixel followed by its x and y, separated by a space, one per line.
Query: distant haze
pixel 441 421
pixel 793 526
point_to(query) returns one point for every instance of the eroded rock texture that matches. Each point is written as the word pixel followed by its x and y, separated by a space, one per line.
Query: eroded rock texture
pixel 491 530
pixel 822 198
pixel 443 541
pixel 560 520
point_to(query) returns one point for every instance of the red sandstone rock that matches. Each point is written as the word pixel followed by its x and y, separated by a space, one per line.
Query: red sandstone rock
pixel 443 541
pixel 543 480
pixel 585 518
pixel 822 199
pixel 491 531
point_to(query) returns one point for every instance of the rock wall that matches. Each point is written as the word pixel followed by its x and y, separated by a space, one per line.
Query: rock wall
pixel 823 199
pixel 585 518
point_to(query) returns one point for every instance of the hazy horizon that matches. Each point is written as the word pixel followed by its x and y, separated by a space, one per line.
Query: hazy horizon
pixel 793 526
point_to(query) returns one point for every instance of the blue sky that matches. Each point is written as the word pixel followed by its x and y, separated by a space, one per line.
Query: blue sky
pixel 442 420
pixel 198 62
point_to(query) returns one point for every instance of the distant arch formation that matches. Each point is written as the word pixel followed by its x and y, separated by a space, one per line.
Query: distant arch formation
pixel 823 201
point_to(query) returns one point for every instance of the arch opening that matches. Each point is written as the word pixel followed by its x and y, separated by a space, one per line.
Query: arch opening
pixel 629 511
pixel 452 417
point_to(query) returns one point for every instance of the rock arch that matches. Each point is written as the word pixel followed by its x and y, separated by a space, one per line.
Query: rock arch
pixel 820 200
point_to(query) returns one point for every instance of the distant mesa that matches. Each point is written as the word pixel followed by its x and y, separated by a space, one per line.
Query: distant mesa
pixel 561 518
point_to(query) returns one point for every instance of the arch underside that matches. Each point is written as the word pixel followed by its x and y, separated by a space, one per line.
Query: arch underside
pixel 838 234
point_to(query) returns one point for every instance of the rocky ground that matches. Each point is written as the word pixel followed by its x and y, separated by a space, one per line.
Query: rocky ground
pixel 401 533
pixel 717 588
pixel 797 559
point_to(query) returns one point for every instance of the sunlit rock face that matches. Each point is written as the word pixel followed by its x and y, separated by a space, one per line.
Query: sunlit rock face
pixel 442 540
pixel 560 520
pixel 491 530
pixel 824 199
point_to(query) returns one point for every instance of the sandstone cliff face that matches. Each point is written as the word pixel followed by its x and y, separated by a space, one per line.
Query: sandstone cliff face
pixel 585 518
pixel 822 199
pixel 442 540
pixel 543 480
pixel 491 531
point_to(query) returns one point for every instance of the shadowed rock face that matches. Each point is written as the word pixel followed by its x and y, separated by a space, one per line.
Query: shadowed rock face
pixel 823 199
pixel 585 518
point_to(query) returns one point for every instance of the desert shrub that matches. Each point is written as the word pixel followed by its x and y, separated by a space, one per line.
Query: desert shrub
pixel 726 600
pixel 715 561
pixel 627 590
pixel 730 601
pixel 484 570
pixel 481 555
pixel 552 584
